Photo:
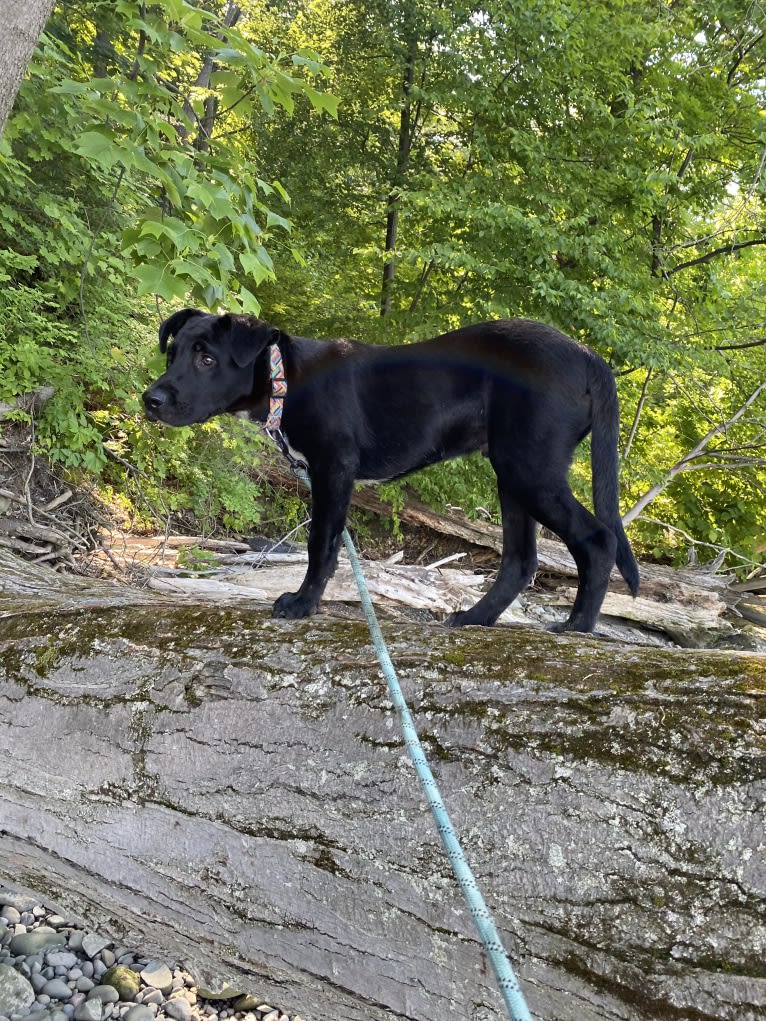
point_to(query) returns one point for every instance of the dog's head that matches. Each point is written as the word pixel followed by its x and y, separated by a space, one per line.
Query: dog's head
pixel 211 367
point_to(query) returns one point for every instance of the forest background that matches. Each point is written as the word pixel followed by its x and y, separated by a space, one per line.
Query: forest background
pixel 387 170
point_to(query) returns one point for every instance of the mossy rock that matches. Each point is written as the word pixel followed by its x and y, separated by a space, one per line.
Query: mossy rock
pixel 124 980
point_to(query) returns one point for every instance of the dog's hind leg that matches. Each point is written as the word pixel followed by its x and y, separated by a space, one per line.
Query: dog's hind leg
pixel 517 567
pixel 591 543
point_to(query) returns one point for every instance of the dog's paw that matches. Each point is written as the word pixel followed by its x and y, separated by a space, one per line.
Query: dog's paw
pixel 564 627
pixel 293 606
pixel 463 618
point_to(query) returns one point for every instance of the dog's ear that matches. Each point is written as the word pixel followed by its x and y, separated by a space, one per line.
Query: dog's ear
pixel 174 323
pixel 246 337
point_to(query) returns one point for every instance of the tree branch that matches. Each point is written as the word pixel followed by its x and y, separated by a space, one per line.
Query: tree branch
pixel 637 416
pixel 685 463
pixel 725 250
pixel 740 347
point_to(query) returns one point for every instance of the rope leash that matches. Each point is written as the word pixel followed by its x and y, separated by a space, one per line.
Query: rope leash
pixel 506 979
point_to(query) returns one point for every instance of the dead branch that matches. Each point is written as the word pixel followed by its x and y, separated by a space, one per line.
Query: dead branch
pixel 687 461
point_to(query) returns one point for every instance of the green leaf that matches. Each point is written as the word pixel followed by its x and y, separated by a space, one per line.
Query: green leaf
pixel 323 101
pixel 102 149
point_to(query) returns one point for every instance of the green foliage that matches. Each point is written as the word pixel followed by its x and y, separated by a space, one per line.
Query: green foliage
pixel 196 559
pixel 141 135
pixel 595 165
pixel 124 172
pixel 591 165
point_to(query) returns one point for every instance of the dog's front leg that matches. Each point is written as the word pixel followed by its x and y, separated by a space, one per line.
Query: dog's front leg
pixel 330 498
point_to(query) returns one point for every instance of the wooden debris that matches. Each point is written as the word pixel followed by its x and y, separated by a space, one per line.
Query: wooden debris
pixel 438 591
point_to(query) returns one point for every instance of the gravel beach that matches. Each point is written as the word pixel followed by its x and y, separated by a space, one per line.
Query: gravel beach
pixel 54 969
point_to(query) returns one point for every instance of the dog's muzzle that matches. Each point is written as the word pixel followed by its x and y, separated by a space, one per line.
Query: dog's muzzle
pixel 155 401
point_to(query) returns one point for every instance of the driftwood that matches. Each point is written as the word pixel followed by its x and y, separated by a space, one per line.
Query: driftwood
pixel 553 556
pixel 209 784
pixel 686 605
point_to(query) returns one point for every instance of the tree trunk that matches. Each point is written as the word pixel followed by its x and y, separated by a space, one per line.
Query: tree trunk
pixel 21 22
pixel 206 123
pixel 406 132
pixel 231 790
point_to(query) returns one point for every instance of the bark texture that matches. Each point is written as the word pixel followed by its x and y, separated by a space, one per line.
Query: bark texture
pixel 21 22
pixel 230 789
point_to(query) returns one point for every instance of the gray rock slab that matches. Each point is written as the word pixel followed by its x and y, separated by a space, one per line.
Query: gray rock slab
pixel 250 811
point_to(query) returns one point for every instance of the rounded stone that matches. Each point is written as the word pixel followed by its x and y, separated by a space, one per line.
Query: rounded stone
pixel 178 1008
pixel 20 901
pixel 158 976
pixel 93 944
pixel 61 959
pixel 57 989
pixel 138 1013
pixel 246 1003
pixel 16 993
pixel 223 991
pixel 28 943
pixel 123 979
pixel 105 993
pixel 89 1010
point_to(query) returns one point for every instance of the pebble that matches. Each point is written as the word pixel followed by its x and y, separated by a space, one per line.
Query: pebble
pixel 179 1009
pixel 53 969
pixel 61 959
pixel 93 944
pixel 158 975
pixel 89 1010
pixel 107 994
pixel 20 901
pixel 57 989
pixel 139 1013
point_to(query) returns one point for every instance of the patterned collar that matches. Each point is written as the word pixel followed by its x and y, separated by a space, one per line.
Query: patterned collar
pixel 273 423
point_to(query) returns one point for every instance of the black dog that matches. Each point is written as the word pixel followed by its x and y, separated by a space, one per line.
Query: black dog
pixel 519 391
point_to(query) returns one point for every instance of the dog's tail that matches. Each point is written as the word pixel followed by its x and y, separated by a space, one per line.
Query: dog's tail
pixel 605 466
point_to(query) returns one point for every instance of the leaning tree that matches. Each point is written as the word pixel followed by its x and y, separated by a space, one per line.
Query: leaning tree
pixel 21 22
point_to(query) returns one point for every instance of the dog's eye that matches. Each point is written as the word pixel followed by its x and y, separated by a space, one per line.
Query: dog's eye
pixel 205 360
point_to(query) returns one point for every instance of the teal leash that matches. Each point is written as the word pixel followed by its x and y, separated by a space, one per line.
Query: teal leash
pixel 506 979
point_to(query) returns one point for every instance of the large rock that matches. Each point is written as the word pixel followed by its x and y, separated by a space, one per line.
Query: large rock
pixel 16 992
pixel 212 784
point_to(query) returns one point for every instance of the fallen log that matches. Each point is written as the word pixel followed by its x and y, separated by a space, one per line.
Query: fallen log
pixel 664 584
pixel 213 784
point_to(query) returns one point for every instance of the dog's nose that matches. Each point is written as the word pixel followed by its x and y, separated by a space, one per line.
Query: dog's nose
pixel 154 400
